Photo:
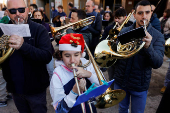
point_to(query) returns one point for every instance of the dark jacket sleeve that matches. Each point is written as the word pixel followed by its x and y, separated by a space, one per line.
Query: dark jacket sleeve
pixel 62 107
pixel 106 33
pixel 42 51
pixel 156 24
pixel 68 31
pixel 155 52
pixel 98 26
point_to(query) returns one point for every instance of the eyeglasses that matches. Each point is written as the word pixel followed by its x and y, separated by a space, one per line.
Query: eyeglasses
pixel 14 11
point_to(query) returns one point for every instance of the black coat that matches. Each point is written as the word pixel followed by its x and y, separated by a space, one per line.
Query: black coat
pixel 95 28
pixel 25 70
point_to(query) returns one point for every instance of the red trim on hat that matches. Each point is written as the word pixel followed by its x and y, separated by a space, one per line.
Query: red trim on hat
pixel 77 39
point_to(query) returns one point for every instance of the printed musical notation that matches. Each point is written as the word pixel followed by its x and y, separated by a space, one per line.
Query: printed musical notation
pixel 13 29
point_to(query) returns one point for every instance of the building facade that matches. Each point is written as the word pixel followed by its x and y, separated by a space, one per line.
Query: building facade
pixel 80 4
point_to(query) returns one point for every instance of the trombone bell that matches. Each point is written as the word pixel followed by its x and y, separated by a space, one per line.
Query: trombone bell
pixel 110 98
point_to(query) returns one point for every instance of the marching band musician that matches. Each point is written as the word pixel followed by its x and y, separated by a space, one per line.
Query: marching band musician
pixel 120 16
pixel 62 87
pixel 133 74
pixel 77 15
pixel 25 70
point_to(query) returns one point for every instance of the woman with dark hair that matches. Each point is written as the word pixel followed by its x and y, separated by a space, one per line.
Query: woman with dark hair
pixel 108 16
pixel 38 14
pixel 107 20
pixel 165 23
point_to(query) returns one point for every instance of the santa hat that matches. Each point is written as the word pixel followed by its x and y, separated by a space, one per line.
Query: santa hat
pixel 72 42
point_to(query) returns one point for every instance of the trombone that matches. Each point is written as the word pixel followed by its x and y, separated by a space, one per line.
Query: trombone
pixel 110 97
pixel 77 25
pixel 113 33
pixel 79 93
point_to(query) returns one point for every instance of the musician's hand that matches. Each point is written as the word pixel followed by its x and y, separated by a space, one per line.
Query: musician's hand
pixel 147 39
pixel 82 85
pixel 15 41
pixel 81 73
pixel 118 25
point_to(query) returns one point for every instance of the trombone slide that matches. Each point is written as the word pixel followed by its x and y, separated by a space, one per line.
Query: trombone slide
pixel 76 80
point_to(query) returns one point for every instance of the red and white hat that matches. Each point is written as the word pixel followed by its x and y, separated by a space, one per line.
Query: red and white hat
pixel 72 42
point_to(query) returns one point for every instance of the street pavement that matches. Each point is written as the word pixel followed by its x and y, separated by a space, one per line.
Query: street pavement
pixel 152 102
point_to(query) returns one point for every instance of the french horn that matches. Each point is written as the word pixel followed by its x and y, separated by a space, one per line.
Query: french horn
pixel 6 51
pixel 102 53
pixel 108 51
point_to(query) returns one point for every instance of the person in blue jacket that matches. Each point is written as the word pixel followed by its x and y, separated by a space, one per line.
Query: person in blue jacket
pixel 60 11
pixel 133 74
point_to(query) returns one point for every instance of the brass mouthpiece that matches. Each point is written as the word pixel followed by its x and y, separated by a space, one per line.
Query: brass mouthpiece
pixel 18 20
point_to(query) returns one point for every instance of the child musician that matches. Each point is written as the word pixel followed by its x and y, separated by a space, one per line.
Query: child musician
pixel 63 88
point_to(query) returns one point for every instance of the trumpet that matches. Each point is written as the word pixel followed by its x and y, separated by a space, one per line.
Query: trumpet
pixel 113 33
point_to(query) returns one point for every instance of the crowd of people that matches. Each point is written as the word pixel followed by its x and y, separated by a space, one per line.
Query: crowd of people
pixel 35 65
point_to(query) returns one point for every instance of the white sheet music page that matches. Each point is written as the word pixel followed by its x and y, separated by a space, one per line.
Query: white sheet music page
pixel 13 29
pixel 2 13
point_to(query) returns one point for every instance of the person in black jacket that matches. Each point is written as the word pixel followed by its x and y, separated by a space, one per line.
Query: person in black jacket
pixel 120 16
pixel 25 70
pixel 32 8
pixel 77 15
pixel 96 27
pixel 133 74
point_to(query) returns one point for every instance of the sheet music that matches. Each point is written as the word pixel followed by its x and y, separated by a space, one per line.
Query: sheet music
pixel 2 13
pixel 13 29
